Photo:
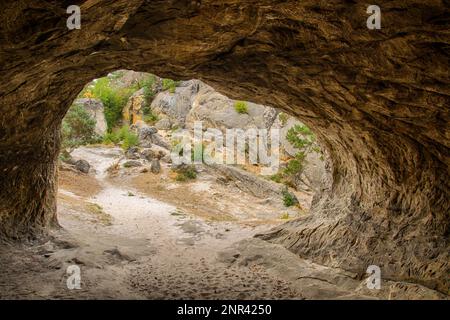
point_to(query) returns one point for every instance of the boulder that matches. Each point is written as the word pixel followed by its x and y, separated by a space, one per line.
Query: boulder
pixel 82 165
pixel 145 134
pixel 132 153
pixel 155 166
pixel 217 111
pixel 160 141
pixel 95 109
pixel 132 164
pixel 193 100
pixel 167 158
pixel 176 105
pixel 155 152
pixel 164 124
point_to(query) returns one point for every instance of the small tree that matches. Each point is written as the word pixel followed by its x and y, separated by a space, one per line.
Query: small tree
pixel 113 100
pixel 302 138
pixel 169 84
pixel 78 128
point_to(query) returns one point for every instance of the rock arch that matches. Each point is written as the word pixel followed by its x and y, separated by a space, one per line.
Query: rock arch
pixel 377 99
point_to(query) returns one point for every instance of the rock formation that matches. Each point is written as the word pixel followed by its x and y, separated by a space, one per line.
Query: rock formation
pixel 378 101
pixel 132 112
pixel 95 109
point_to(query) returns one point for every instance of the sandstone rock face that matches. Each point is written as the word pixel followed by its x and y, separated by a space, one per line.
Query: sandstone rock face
pixel 132 112
pixel 193 101
pixel 129 78
pixel 176 106
pixel 378 101
pixel 95 108
pixel 215 110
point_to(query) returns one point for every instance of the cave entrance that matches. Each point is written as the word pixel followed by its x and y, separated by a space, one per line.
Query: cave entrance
pixel 382 117
pixel 123 195
pixel 120 161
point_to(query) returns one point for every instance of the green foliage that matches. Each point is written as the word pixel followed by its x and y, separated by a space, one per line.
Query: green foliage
pixel 113 99
pixel 277 177
pixel 241 107
pixel 150 117
pixel 128 138
pixel 111 138
pixel 288 198
pixel 78 128
pixel 149 93
pixel 296 165
pixel 283 118
pixel 148 84
pixel 169 84
pixel 124 135
pixel 129 141
pixel 186 173
pixel 301 137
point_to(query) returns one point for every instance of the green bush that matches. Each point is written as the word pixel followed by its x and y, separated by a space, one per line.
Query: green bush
pixel 128 138
pixel 276 177
pixel 169 84
pixel 150 117
pixel 124 135
pixel 288 198
pixel 296 165
pixel 185 173
pixel 301 137
pixel 149 94
pixel 241 107
pixel 111 138
pixel 283 118
pixel 78 128
pixel 113 99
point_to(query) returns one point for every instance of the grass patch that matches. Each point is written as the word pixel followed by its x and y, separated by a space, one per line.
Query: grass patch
pixel 150 118
pixel 128 138
pixel 283 118
pixel 99 213
pixel 241 107
pixel 185 173
pixel 277 177
pixel 284 216
pixel 169 84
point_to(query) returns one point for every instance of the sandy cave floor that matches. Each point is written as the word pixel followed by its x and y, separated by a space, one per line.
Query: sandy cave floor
pixel 145 236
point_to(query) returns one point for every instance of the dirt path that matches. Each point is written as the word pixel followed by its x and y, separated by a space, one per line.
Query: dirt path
pixel 130 245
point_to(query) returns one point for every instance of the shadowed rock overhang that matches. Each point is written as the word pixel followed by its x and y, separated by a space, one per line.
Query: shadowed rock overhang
pixel 378 101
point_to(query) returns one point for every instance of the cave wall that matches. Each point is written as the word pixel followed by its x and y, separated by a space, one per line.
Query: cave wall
pixel 378 100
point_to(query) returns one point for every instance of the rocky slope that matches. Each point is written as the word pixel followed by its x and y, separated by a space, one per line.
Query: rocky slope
pixel 377 99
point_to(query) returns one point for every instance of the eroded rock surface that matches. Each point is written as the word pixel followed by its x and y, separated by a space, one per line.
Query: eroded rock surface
pixel 378 100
